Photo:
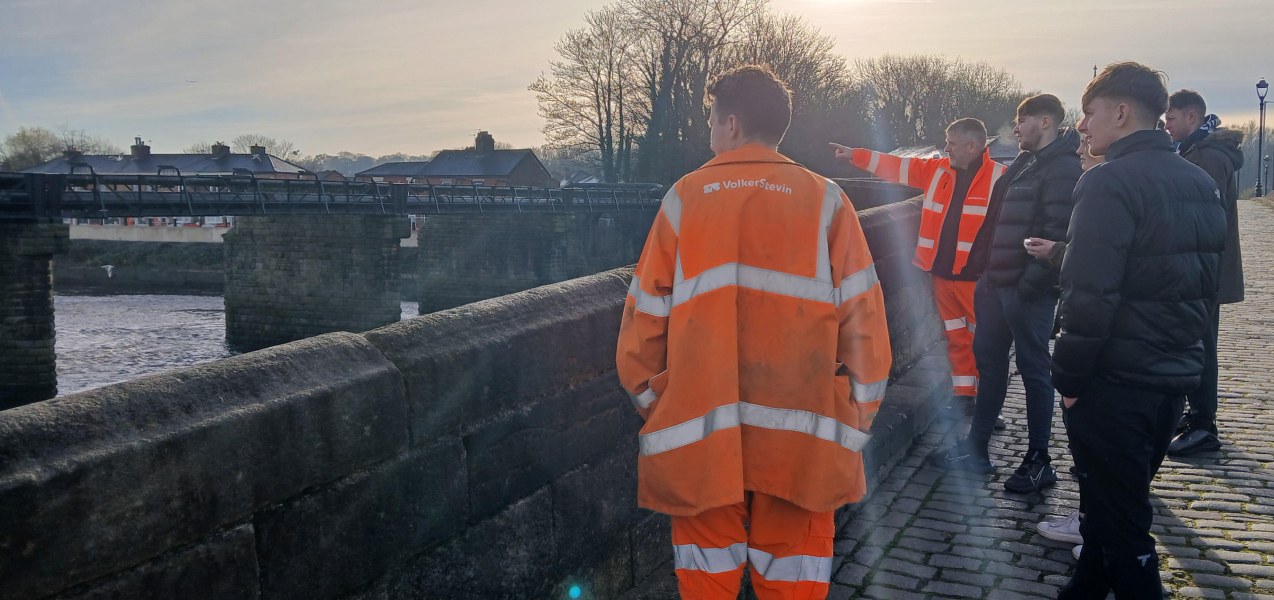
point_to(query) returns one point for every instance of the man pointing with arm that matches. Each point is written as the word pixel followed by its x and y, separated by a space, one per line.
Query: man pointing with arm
pixel 957 190
pixel 754 343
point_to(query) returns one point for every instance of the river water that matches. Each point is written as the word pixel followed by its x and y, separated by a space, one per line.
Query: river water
pixel 108 339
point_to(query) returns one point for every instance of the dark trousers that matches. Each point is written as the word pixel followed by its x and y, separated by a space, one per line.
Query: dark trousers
pixel 1118 437
pixel 1203 401
pixel 1005 320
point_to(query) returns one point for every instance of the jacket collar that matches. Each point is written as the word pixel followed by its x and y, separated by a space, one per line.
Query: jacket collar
pixel 1146 139
pixel 1067 141
pixel 985 164
pixel 749 153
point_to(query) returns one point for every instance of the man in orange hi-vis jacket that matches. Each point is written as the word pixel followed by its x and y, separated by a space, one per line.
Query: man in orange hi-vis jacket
pixel 754 344
pixel 957 190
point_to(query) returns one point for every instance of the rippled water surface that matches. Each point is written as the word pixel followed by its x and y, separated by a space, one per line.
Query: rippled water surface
pixel 107 339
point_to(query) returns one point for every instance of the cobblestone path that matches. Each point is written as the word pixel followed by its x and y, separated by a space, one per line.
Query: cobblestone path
pixel 931 534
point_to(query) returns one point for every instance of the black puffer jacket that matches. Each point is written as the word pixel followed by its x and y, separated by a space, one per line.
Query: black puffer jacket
pixel 1143 258
pixel 1220 156
pixel 1032 199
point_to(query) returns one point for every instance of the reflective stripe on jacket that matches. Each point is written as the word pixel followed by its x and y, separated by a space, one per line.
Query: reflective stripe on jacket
pixel 753 339
pixel 936 177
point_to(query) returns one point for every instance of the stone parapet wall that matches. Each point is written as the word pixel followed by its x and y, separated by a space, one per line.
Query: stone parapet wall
pixel 293 277
pixel 28 365
pixel 481 452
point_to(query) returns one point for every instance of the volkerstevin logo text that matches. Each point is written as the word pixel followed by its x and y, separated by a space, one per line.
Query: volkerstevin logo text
pixel 747 183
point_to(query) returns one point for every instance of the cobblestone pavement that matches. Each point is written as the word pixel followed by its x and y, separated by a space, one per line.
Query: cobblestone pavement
pixel 931 534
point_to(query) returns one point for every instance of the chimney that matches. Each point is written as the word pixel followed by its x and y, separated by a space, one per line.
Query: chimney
pixel 219 150
pixel 258 150
pixel 140 150
pixel 484 143
pixel 71 153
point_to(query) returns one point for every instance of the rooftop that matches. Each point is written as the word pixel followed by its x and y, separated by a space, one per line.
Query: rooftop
pixel 150 164
pixel 472 163
pixel 406 169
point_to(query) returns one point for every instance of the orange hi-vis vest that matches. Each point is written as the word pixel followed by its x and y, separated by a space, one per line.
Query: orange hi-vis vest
pixel 753 340
pixel 936 177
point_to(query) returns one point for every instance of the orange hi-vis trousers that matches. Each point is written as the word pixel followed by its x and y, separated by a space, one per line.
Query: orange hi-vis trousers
pixel 788 548
pixel 955 306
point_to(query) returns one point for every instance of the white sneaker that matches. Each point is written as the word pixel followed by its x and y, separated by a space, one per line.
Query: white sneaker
pixel 1077 550
pixel 1065 529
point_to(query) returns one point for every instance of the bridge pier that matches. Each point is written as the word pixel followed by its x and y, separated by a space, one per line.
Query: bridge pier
pixel 290 277
pixel 465 258
pixel 28 362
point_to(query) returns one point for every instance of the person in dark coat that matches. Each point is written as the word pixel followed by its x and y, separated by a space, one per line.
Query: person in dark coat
pixel 1143 258
pixel 1016 296
pixel 1216 151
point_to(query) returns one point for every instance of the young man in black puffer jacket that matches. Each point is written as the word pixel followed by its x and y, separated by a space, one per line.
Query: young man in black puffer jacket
pixel 1016 296
pixel 1217 151
pixel 1143 258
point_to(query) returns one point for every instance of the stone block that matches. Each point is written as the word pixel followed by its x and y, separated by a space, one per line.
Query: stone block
pixel 652 543
pixel 519 452
pixel 606 574
pixel 465 365
pixel 342 536
pixel 596 504
pixel 222 567
pixel 99 481
pixel 507 556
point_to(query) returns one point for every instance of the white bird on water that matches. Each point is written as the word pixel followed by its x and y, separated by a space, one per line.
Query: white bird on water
pixel 108 268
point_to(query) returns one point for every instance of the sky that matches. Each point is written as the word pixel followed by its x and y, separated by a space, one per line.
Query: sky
pixel 386 76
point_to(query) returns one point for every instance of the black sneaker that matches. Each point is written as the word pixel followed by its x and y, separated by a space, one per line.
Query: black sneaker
pixel 1035 474
pixel 1194 441
pixel 1000 425
pixel 961 456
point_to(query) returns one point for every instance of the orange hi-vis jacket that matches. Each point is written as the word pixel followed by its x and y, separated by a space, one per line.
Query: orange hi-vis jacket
pixel 936 177
pixel 753 339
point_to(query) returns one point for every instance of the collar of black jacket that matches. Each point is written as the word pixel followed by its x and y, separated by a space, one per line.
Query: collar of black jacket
pixel 1145 139
pixel 1067 142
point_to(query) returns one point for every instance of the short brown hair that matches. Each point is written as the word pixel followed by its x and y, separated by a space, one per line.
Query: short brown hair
pixel 1043 105
pixel 968 126
pixel 1131 82
pixel 757 97
pixel 1186 100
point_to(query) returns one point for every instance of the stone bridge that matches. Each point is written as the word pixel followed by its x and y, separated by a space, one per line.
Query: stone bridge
pixel 299 272
pixel 484 451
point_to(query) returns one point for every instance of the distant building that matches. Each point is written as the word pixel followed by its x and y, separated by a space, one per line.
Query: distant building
pixel 484 165
pixel 140 161
pixel 581 177
pixel 330 175
pixel 391 172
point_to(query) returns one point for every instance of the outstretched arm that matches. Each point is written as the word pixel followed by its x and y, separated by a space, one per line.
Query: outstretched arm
pixel 911 172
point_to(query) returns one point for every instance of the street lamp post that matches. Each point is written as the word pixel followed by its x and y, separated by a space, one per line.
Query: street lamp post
pixel 1267 174
pixel 1262 88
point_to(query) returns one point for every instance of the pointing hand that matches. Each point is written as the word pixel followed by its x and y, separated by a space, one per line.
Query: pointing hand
pixel 842 152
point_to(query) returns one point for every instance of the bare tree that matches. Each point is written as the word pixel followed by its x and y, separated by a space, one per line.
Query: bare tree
pixel 30 146
pixel 915 97
pixel 199 148
pixel 679 45
pixel 826 104
pixel 284 149
pixel 84 142
pixel 586 102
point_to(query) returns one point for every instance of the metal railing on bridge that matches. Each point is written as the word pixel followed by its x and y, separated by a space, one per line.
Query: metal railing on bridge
pixel 92 196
